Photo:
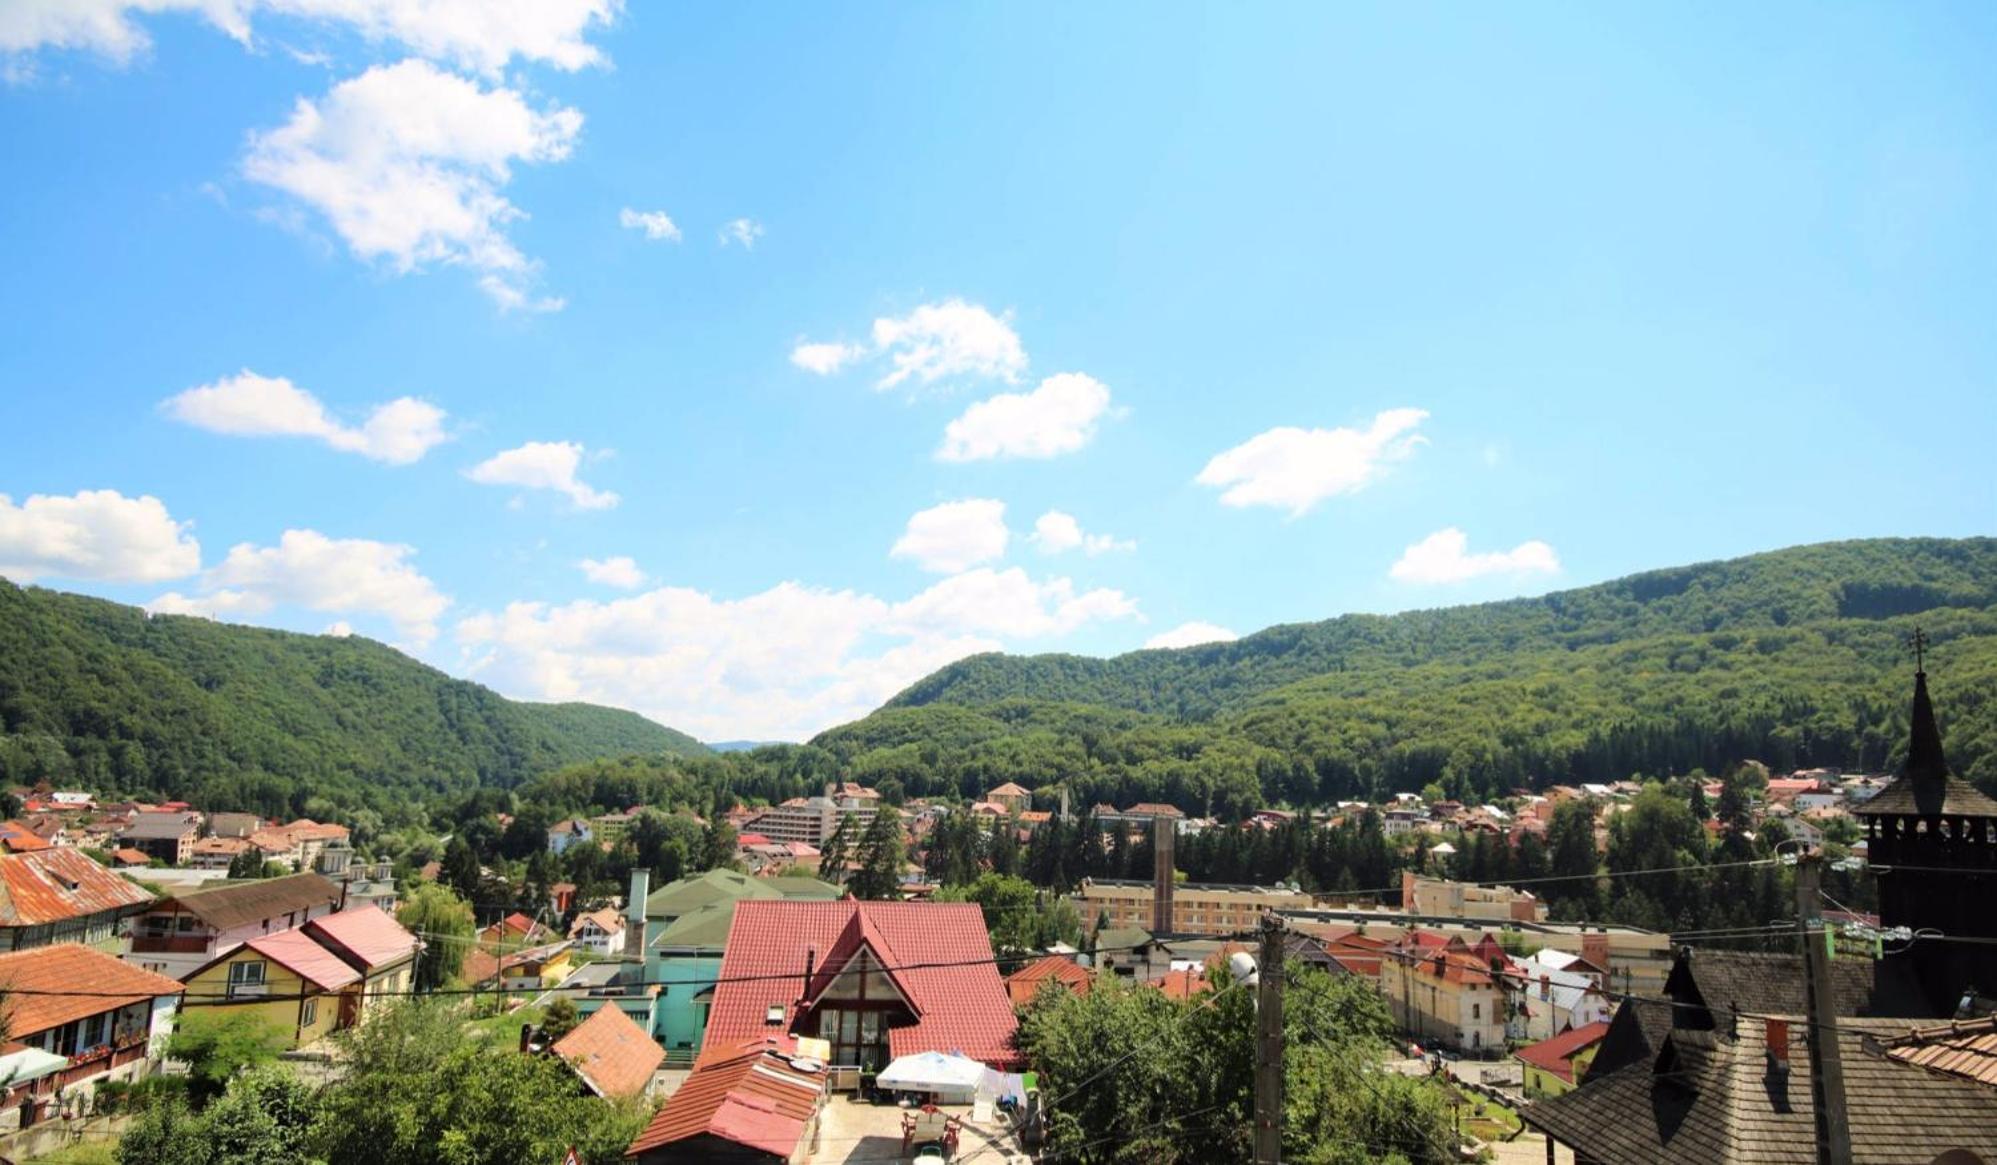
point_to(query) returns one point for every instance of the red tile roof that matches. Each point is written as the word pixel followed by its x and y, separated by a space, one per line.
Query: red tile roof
pixel 364 936
pixel 69 967
pixel 942 953
pixel 613 1055
pixel 1182 984
pixel 56 884
pixel 18 838
pixel 131 857
pixel 1966 1048
pixel 753 1097
pixel 294 949
pixel 1556 1055
pixel 1152 809
pixel 1024 983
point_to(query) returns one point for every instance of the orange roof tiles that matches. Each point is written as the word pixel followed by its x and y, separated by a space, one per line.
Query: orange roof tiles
pixel 1966 1048
pixel 613 1055
pixel 56 884
pixel 1182 984
pixel 18 838
pixel 1022 985
pixel 68 967
pixel 753 1097
pixel 941 952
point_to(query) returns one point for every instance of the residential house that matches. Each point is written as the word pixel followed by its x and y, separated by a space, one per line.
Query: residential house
pixel 189 929
pixel 1556 992
pixel 235 826
pixel 599 931
pixel 1054 973
pixel 75 1018
pixel 61 896
pixel 130 859
pixel 513 931
pixel 1402 819
pixel 1185 983
pixel 17 838
pixel 168 836
pixel 370 941
pixel 1637 960
pixel 1130 952
pixel 1556 1065
pixel 511 971
pixel 752 1104
pixel 563 835
pixel 1445 995
pixel 614 1057
pixel 875 980
pixel 1011 798
pixel 217 853
pixel 288 980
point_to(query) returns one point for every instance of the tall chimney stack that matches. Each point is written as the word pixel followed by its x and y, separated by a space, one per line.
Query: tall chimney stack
pixel 634 913
pixel 1163 834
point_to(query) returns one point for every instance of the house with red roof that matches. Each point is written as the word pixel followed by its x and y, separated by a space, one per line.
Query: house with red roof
pixel 16 838
pixel 1184 983
pixel 875 980
pixel 1443 994
pixel 599 931
pixel 75 1017
pixel 1555 1066
pixel 368 939
pixel 315 979
pixel 60 895
pixel 1024 984
pixel 612 1055
pixel 751 1104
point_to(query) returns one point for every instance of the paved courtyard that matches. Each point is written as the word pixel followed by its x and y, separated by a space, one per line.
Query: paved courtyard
pixel 851 1133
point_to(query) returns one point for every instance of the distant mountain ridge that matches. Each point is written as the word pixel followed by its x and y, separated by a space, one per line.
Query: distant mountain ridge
pixel 103 695
pixel 1866 580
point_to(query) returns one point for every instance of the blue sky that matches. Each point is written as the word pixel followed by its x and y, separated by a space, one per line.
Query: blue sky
pixel 1279 313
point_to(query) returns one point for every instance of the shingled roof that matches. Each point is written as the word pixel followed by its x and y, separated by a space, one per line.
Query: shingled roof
pixel 233 904
pixel 1715 1097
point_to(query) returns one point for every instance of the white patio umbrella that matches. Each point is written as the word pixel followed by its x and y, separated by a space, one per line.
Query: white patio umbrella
pixel 932 1072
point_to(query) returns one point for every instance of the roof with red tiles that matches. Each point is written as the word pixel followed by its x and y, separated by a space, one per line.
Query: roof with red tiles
pixel 365 937
pixel 1153 809
pixel 1022 985
pixel 607 920
pixel 18 838
pixel 753 1097
pixel 1009 789
pixel 69 967
pixel 131 857
pixel 940 952
pixel 295 950
pixel 52 885
pixel 1966 1048
pixel 1182 984
pixel 613 1055
pixel 1556 1055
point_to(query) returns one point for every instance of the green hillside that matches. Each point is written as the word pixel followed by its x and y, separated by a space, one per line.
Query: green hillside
pixel 1794 657
pixel 102 695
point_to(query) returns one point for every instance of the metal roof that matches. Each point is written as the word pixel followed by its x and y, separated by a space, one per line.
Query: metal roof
pixel 52 885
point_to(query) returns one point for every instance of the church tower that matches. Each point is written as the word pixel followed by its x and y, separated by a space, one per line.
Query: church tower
pixel 1932 843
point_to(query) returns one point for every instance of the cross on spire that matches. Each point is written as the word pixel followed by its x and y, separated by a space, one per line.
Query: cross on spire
pixel 1919 642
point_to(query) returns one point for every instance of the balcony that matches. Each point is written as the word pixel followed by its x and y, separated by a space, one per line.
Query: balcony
pixel 179 944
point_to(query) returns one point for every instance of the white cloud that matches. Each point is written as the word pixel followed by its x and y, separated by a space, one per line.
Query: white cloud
pixel 249 405
pixel 352 576
pixel 543 465
pixel 481 35
pixel 657 224
pixel 1058 417
pixel 1295 469
pixel 1191 634
pixel 1444 557
pixel 952 338
pixel 406 162
pixel 778 665
pixel 620 572
pixel 826 358
pixel 1055 532
pixel 954 536
pixel 339 629
pixel 741 230
pixel 96 534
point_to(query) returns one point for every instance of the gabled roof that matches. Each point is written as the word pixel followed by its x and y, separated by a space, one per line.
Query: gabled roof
pixel 365 937
pixel 1007 790
pixel 613 1055
pixel 233 904
pixel 858 938
pixel 1022 985
pixel 1182 984
pixel 1556 1055
pixel 295 951
pixel 941 953
pixel 753 1097
pixel 99 982
pixel 51 885
pixel 607 920
pixel 18 838
pixel 1711 1098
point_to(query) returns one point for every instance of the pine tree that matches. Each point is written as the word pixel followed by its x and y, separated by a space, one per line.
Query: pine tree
pixel 881 852
pixel 832 855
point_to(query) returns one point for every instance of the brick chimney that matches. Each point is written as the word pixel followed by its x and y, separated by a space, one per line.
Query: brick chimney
pixel 1164 834
pixel 1778 1042
pixel 634 913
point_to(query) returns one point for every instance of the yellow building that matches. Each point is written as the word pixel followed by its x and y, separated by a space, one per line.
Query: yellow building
pixel 1446 996
pixel 1197 907
pixel 307 992
pixel 1558 1065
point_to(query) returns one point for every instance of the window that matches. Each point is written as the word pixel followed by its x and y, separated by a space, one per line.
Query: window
pixel 246 978
pixel 1476 1011
pixel 309 1014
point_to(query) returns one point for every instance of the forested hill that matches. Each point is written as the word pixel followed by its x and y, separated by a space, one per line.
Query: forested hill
pixel 101 695
pixel 1793 658
pixel 1803 586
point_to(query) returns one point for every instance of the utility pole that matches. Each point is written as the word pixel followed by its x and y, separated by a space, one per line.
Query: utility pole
pixel 1826 1071
pixel 1269 1045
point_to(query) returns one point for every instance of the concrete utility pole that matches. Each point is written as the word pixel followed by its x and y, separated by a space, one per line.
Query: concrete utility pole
pixel 1269 1045
pixel 1826 1071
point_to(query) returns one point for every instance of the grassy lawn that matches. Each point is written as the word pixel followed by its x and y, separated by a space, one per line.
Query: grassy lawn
pixel 503 1028
pixel 1485 1119
pixel 91 1153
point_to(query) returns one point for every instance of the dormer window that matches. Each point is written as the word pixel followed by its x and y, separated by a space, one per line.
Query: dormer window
pixel 774 1014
